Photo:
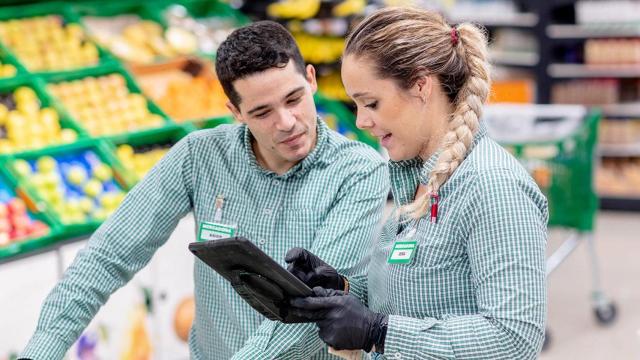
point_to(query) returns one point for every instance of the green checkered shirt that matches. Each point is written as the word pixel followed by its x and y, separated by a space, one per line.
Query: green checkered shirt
pixel 329 203
pixel 475 288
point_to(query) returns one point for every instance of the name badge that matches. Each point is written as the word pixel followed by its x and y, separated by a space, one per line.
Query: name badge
pixel 403 252
pixel 215 231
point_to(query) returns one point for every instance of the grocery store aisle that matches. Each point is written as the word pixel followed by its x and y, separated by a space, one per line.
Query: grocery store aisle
pixel 575 333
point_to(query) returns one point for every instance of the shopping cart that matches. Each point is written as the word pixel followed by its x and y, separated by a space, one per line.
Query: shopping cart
pixel 556 144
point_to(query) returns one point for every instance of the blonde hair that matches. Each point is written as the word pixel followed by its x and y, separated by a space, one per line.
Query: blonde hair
pixel 405 44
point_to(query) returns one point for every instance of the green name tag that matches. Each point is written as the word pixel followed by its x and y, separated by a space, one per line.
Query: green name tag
pixel 403 252
pixel 215 231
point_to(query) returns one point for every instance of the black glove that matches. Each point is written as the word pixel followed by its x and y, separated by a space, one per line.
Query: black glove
pixel 344 322
pixel 312 270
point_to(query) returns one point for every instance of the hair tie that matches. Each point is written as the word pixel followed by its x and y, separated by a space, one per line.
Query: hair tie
pixel 454 36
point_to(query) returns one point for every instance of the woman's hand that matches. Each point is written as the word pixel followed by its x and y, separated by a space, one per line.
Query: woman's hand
pixel 312 270
pixel 344 322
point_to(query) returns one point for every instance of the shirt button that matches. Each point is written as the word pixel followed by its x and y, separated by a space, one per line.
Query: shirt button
pixel 267 211
pixel 398 356
pixel 262 241
pixel 275 182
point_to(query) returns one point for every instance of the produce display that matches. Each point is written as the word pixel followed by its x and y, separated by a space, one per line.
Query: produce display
pixel 25 124
pixel 105 106
pixel 78 186
pixel 140 160
pixel 92 95
pixel 16 224
pixel 47 43
pixel 133 39
pixel 185 90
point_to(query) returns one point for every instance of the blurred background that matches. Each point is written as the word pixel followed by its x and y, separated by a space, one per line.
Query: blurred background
pixel 92 94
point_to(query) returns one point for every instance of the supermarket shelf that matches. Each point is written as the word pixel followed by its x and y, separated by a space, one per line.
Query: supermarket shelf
pixel 593 31
pixel 621 110
pixel 514 58
pixel 52 247
pixel 625 150
pixel 609 202
pixel 593 71
pixel 520 20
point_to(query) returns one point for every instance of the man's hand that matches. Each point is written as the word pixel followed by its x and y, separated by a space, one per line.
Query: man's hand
pixel 344 322
pixel 312 270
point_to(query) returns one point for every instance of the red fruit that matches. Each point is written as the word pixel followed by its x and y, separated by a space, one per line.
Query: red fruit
pixel 38 228
pixel 5 225
pixel 20 221
pixel 18 234
pixel 17 206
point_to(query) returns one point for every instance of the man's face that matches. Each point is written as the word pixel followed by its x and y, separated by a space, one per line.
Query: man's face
pixel 277 106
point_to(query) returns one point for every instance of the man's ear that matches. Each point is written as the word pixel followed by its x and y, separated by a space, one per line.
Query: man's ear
pixel 311 78
pixel 235 112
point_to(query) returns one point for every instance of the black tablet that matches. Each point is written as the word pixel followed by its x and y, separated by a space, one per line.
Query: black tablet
pixel 259 279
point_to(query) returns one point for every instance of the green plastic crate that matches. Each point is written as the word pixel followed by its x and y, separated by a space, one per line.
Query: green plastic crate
pixel 102 71
pixel 25 246
pixel 211 122
pixel 165 136
pixel 144 9
pixel 121 177
pixel 345 120
pixel 564 172
pixel 212 8
pixel 35 83
pixel 42 9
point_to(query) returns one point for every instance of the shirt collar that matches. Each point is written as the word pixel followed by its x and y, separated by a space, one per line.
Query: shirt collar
pixel 300 168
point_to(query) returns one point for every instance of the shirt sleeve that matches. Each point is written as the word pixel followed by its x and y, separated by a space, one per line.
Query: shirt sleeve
pixel 122 246
pixel 506 250
pixel 342 241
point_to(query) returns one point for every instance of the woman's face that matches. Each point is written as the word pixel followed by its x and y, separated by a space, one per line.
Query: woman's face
pixel 399 118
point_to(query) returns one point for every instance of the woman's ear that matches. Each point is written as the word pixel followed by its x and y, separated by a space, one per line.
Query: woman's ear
pixel 424 87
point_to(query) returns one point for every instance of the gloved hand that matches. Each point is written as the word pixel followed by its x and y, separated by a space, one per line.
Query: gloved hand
pixel 344 322
pixel 312 270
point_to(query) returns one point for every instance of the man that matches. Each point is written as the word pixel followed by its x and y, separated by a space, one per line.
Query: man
pixel 281 179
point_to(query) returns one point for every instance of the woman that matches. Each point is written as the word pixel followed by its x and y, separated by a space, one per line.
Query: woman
pixel 460 271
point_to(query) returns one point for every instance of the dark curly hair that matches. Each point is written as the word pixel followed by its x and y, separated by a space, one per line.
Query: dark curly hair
pixel 254 48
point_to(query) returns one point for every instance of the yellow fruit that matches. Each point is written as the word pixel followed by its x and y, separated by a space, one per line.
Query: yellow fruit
pixel 46 164
pixel 93 188
pixel 22 167
pixel 4 111
pixel 76 175
pixel 87 205
pixel 8 70
pixel 68 136
pixel 102 172
pixel 24 93
pixel 49 116
pixel 16 120
pixel 125 151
